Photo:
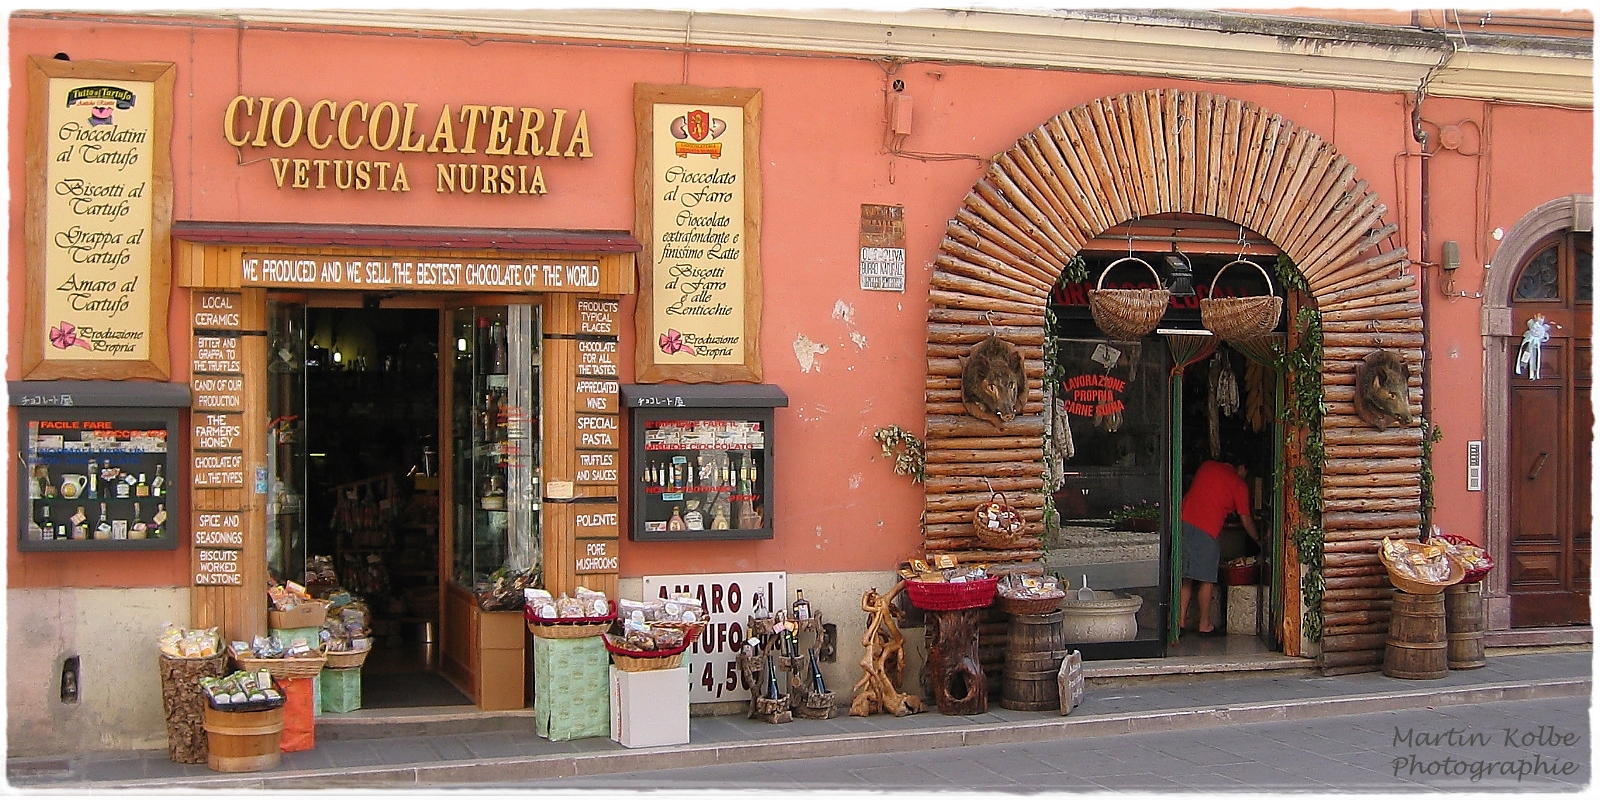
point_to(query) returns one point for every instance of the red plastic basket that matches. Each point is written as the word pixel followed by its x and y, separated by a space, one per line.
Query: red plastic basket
pixel 1477 573
pixel 932 596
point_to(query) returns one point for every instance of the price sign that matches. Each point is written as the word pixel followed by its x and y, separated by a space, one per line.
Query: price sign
pixel 712 659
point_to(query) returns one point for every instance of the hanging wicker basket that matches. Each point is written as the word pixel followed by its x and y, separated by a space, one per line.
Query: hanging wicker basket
pixel 997 523
pixel 1128 314
pixel 1240 319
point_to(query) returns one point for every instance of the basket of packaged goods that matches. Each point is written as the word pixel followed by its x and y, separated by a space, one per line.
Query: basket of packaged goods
pixel 1418 568
pixel 1128 314
pixel 948 586
pixel 587 614
pixel 1029 594
pixel 296 657
pixel 1240 319
pixel 645 651
pixel 1472 558
pixel 245 690
pixel 345 634
pixel 997 524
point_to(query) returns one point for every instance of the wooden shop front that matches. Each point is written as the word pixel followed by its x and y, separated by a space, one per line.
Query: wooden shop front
pixel 432 407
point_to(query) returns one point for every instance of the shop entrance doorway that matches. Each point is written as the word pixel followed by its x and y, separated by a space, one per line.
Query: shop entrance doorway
pixel 354 498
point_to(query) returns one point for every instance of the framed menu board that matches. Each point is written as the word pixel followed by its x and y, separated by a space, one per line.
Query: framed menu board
pixel 98 219
pixel 701 459
pixel 97 478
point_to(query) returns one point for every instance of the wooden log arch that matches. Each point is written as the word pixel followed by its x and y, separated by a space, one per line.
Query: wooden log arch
pixel 1137 155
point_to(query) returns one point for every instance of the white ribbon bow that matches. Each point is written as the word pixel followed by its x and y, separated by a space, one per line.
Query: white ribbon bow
pixel 1528 354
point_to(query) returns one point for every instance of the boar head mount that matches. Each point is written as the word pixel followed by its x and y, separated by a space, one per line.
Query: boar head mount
pixel 992 381
pixel 1383 395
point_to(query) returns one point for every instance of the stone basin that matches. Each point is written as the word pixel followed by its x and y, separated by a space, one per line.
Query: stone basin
pixel 1107 618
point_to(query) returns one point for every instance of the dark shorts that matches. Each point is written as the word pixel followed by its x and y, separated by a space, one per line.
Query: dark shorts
pixel 1201 553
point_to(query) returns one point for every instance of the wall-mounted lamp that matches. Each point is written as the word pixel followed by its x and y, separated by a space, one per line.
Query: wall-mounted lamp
pixel 1182 274
pixel 338 357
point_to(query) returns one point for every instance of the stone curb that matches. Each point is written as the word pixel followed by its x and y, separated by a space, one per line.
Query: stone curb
pixel 524 768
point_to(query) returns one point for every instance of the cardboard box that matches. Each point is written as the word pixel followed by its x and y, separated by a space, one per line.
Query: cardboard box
pixel 310 614
pixel 341 690
pixel 502 630
pixel 571 688
pixel 649 709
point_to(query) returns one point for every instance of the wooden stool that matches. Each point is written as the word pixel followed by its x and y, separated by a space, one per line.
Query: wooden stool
pixel 958 683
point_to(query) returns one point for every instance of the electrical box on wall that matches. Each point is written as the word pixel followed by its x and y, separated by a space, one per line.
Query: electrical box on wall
pixel 701 461
pixel 1475 466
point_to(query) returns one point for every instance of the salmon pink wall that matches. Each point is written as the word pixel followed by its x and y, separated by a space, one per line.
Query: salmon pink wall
pixel 839 507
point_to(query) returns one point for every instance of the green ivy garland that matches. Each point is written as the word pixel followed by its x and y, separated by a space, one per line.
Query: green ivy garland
pixel 1431 434
pixel 1052 377
pixel 1306 409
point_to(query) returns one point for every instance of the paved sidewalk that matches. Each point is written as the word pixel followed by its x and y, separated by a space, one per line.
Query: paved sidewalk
pixel 394 751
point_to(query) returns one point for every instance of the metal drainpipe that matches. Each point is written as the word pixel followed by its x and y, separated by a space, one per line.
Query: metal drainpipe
pixel 1421 136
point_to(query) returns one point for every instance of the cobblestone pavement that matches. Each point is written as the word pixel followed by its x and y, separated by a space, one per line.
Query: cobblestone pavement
pixel 1521 746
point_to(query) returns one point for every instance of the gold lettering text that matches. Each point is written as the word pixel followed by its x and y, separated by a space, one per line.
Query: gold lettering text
pixel 528 132
pixel 344 125
pixel 229 123
pixel 373 127
pixel 472 115
pixel 405 138
pixel 444 132
pixel 311 124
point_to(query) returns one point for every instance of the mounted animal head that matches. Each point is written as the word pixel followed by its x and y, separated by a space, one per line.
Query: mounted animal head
pixel 992 381
pixel 1382 395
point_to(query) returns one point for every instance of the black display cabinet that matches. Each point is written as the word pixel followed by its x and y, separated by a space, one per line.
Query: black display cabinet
pixel 701 460
pixel 99 464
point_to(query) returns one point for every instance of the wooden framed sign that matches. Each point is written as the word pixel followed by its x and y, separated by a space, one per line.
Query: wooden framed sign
pixel 98 219
pixel 699 216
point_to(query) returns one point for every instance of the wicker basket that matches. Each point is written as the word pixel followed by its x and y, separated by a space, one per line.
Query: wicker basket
pixel 1009 519
pixel 285 668
pixel 1033 606
pixel 569 628
pixel 640 661
pixel 1410 585
pixel 932 596
pixel 1240 319
pixel 347 659
pixel 1128 314
pixel 1474 574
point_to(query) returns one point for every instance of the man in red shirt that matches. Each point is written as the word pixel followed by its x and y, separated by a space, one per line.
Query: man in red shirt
pixel 1218 490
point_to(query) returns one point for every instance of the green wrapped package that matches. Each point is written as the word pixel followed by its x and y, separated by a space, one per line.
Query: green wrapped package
pixel 341 690
pixel 571 695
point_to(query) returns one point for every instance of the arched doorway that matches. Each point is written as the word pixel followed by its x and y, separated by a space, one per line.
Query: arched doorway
pixel 1141 154
pixel 1538 429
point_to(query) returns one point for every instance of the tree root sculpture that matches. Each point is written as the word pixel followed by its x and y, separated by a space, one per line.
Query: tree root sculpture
pixel 883 665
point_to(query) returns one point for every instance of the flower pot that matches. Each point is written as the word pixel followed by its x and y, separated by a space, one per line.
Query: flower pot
pixel 1107 618
pixel 1138 524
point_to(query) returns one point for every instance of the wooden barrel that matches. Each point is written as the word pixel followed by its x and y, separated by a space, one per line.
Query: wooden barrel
pixel 1416 645
pixel 1033 659
pixel 1463 624
pixel 243 741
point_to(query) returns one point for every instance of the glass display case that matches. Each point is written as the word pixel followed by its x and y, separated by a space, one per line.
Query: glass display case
pixel 495 433
pixel 286 440
pixel 96 477
pixel 701 458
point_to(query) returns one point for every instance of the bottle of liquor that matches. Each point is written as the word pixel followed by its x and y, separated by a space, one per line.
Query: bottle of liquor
pixel 676 522
pixel 141 489
pixel 158 484
pixel 802 606
pixel 47 525
pixel 791 641
pixel 124 487
pixel 80 524
pixel 156 521
pixel 102 529
pixel 719 517
pixel 93 492
pixel 817 684
pixel 136 528
pixel 772 679
pixel 497 348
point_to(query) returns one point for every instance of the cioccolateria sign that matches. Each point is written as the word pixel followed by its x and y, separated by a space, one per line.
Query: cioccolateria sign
pixel 359 146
